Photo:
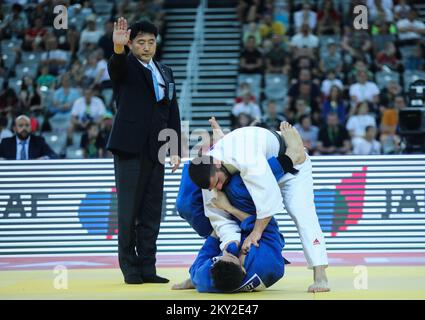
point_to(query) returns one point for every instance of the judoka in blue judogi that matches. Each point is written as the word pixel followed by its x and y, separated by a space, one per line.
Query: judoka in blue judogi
pixel 260 268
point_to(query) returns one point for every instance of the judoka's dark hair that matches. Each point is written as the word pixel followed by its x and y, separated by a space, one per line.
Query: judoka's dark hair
pixel 143 26
pixel 227 276
pixel 200 171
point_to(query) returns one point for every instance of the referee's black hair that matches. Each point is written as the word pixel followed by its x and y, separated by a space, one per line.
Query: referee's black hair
pixel 201 169
pixel 227 276
pixel 143 26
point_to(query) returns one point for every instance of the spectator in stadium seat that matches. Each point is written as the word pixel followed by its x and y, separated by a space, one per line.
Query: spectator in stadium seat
pixel 335 104
pixel 359 65
pixel 272 118
pixel 105 41
pixel 305 16
pixel 330 81
pixel 269 27
pixel 401 10
pixel 305 89
pixel 357 43
pixel 308 132
pixel 305 61
pixel 90 36
pixel 4 131
pixel 247 106
pixel 333 137
pixel 304 39
pixel 389 93
pixel 29 98
pixel 331 59
pixel 410 30
pixel 300 108
pixel 357 123
pixel 15 23
pixel 64 96
pixel 46 78
pixel 380 9
pixel 9 102
pixel 24 145
pixel 241 10
pixel 70 41
pixel 368 145
pixel 55 58
pixel 416 60
pixel 277 60
pixel 76 74
pixel 243 120
pixel 388 58
pixel 253 31
pixel 389 115
pixel 251 58
pixel 102 78
pixel 364 90
pixel 382 33
pixel 85 110
pixel 255 11
pixel 328 19
pixel 139 10
pixel 34 36
pixel 245 88
pixel 92 142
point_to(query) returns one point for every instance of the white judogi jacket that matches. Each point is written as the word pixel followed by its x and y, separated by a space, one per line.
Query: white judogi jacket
pixel 246 150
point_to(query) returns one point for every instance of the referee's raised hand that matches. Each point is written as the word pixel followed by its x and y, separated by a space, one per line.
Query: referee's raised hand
pixel 121 35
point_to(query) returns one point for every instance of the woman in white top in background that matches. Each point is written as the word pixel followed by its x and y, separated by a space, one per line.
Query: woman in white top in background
pixel 357 123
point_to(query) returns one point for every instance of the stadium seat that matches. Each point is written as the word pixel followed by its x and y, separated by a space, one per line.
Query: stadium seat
pixel 384 77
pixel 15 84
pixel 411 76
pixel 60 122
pixel 276 86
pixel 74 153
pixel 56 141
pixel 26 70
pixel 9 59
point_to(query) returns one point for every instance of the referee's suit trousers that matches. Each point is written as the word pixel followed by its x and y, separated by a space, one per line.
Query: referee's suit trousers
pixel 139 183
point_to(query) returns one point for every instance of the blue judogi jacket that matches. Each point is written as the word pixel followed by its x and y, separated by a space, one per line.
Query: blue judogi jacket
pixel 264 265
pixel 190 206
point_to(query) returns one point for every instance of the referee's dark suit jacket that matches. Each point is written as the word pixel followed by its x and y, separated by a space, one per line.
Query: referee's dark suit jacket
pixel 37 148
pixel 139 174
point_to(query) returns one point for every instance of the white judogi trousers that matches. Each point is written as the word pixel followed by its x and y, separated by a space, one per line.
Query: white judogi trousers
pixel 298 198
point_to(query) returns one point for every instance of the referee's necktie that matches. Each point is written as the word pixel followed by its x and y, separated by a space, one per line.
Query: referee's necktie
pixel 23 153
pixel 155 82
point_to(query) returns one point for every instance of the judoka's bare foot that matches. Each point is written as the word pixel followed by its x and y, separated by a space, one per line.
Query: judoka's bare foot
pixel 294 143
pixel 185 285
pixel 319 287
pixel 320 280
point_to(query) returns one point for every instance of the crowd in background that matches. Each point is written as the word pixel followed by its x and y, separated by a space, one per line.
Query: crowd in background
pixel 333 95
pixel 58 77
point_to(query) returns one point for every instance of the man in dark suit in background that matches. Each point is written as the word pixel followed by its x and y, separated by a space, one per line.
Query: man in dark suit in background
pixel 144 92
pixel 24 145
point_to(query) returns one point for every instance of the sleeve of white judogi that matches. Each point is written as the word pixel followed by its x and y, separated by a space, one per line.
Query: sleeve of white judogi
pixel 225 227
pixel 263 188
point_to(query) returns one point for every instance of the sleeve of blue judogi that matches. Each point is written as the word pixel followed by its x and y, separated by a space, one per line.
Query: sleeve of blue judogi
pixel 238 194
pixel 200 269
pixel 190 205
pixel 266 260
